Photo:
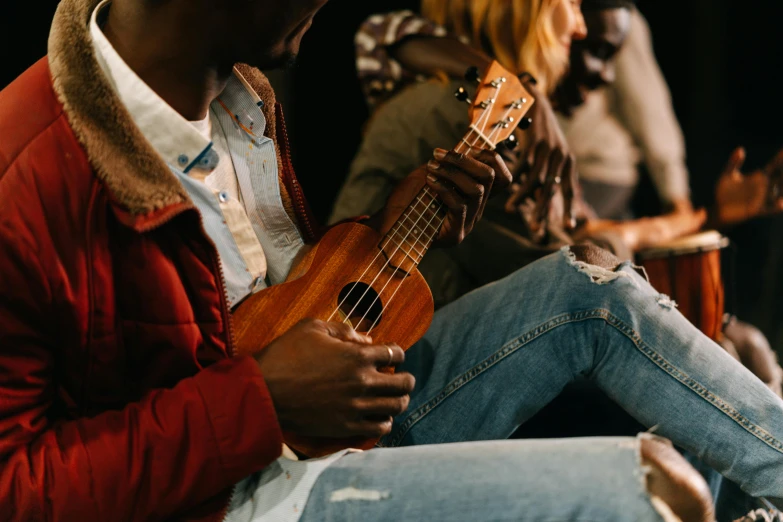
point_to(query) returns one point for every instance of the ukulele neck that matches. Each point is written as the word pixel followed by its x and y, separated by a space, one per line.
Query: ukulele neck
pixel 418 226
pixel 500 101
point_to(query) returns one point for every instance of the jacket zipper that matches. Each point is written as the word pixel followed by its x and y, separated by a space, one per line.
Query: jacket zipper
pixel 300 207
pixel 217 268
pixel 224 295
pixel 300 204
pixel 224 513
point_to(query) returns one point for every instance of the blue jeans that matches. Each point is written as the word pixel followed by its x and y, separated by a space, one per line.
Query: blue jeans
pixel 493 358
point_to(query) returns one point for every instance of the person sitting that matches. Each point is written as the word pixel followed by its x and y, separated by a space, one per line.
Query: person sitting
pixel 147 193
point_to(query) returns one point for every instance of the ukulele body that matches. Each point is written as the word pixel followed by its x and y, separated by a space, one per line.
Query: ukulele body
pixel 347 260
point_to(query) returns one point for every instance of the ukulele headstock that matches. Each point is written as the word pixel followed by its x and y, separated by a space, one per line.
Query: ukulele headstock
pixel 498 106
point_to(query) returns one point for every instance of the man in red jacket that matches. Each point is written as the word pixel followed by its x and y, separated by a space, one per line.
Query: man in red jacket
pixel 146 189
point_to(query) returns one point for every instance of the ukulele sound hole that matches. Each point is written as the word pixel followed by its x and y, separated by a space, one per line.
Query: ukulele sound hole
pixel 361 305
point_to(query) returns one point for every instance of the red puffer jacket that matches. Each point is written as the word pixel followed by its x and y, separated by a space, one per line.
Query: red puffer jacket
pixel 119 398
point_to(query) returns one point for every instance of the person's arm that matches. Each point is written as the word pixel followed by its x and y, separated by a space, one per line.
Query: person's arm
pixel 378 37
pixel 645 107
pixel 646 232
pixel 395 48
pixel 155 458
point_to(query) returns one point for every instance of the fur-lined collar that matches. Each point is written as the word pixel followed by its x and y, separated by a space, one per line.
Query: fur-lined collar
pixel 137 177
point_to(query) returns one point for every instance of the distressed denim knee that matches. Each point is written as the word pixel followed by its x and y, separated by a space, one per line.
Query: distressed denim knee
pixel 603 266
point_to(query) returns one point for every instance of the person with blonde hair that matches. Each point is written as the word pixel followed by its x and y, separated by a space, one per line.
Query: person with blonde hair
pixel 524 225
pixel 536 43
pixel 533 41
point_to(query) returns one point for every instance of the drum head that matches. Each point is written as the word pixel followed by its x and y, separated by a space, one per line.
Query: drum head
pixel 692 244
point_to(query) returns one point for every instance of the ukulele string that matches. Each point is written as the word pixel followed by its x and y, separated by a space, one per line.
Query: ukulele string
pixel 395 231
pixel 402 280
pixel 484 115
pixel 389 257
pixel 479 135
pixel 391 277
pixel 399 285
pixel 391 233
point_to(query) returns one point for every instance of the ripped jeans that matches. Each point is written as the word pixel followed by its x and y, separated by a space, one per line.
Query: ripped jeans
pixel 493 358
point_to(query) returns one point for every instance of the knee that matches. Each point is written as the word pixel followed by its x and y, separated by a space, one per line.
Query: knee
pixel 674 482
pixel 596 256
pixel 755 353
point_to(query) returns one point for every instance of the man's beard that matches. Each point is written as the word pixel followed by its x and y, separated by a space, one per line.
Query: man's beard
pixel 285 61
pixel 289 61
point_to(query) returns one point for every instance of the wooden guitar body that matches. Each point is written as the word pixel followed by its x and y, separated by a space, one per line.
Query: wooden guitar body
pixel 346 255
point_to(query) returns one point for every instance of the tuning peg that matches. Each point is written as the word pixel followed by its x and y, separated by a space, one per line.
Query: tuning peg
pixel 511 142
pixel 472 74
pixel 462 95
pixel 525 123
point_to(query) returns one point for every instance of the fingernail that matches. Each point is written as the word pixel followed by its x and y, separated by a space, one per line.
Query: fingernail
pixel 439 153
pixel 432 164
pixel 431 178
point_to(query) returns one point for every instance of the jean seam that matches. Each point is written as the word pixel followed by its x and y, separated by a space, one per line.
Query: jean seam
pixel 694 385
pixel 513 345
pixel 507 349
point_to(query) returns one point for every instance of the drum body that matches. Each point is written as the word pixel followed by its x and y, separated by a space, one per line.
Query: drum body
pixel 689 271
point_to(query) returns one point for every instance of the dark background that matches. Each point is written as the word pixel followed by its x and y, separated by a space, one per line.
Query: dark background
pixel 722 60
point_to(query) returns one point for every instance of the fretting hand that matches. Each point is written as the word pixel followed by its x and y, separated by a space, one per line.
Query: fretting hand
pixel 325 381
pixel 739 197
pixel 462 182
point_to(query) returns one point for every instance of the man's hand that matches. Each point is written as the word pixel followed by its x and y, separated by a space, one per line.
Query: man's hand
pixel 463 183
pixel 325 381
pixel 739 197
pixel 545 167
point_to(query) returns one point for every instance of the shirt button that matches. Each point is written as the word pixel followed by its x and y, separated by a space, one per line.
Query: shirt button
pixel 223 196
pixel 182 159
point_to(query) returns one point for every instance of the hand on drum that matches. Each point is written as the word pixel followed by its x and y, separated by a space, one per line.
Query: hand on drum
pixel 649 232
pixel 739 197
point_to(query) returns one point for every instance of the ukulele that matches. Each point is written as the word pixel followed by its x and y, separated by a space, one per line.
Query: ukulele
pixel 367 278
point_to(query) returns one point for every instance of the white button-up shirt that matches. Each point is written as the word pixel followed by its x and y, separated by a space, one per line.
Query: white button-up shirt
pixel 226 164
pixel 229 169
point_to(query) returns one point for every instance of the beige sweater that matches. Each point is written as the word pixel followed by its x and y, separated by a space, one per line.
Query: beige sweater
pixel 629 122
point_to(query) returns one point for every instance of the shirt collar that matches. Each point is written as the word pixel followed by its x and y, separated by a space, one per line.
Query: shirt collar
pixel 178 142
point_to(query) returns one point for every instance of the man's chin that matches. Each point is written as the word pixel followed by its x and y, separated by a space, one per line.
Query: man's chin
pixel 283 61
pixel 289 61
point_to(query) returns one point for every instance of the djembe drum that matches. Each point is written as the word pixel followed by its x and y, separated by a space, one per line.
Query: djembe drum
pixel 688 270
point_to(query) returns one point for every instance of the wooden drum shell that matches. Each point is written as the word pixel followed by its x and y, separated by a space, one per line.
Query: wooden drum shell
pixel 690 273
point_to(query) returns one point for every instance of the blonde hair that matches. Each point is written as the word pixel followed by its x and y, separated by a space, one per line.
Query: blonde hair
pixel 517 33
